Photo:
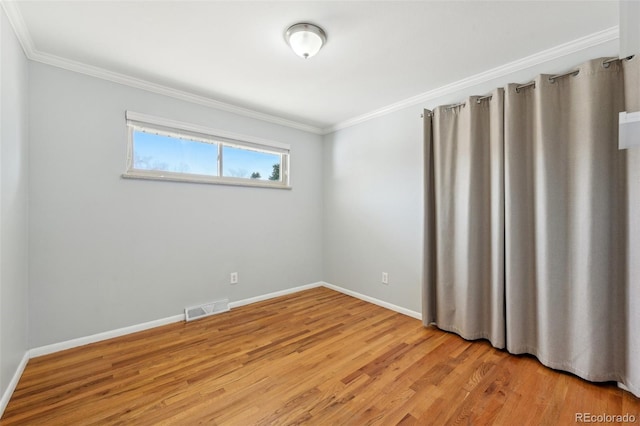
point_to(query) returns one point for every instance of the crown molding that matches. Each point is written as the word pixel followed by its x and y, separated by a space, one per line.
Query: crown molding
pixel 166 91
pixel 18 25
pixel 559 51
pixel 20 28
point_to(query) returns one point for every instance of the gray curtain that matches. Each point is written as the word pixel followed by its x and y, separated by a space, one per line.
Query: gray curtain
pixel 565 222
pixel 532 222
pixel 464 219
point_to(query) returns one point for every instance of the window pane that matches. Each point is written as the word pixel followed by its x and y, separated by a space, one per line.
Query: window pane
pixel 156 152
pixel 250 164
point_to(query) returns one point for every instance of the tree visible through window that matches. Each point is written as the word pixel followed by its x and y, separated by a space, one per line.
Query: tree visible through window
pixel 275 174
pixel 247 163
pixel 157 151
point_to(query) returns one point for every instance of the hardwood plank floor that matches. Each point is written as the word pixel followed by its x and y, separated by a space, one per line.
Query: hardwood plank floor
pixel 315 357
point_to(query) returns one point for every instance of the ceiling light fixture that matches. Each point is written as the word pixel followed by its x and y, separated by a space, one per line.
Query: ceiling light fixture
pixel 305 39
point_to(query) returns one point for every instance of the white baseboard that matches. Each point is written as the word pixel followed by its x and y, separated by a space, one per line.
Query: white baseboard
pixel 6 396
pixel 272 295
pixel 391 306
pixel 81 341
pixel 56 347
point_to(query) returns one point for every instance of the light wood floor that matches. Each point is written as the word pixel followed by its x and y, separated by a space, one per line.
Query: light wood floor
pixel 316 357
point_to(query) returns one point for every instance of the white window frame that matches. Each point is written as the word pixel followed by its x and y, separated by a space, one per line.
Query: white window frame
pixel 173 128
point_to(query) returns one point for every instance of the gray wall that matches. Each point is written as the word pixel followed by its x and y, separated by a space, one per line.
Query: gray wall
pixel 13 203
pixel 373 193
pixel 633 178
pixel 633 297
pixel 107 252
pixel 373 208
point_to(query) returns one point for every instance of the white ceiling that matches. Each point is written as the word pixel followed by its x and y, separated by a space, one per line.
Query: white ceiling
pixel 378 52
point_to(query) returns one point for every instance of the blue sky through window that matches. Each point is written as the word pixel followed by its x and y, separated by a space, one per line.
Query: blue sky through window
pixel 158 152
pixel 238 162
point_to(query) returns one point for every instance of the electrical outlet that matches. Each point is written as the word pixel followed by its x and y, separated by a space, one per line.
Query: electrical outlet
pixel 234 278
pixel 385 278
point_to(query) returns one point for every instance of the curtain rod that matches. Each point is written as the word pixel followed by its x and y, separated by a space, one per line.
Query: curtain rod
pixel 605 64
pixel 478 100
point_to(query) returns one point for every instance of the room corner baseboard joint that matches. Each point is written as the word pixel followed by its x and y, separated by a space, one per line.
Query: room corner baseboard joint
pixel 6 396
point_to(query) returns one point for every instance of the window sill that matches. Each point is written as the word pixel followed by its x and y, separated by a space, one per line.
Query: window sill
pixel 171 177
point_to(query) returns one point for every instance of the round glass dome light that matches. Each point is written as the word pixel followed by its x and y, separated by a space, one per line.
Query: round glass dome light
pixel 305 39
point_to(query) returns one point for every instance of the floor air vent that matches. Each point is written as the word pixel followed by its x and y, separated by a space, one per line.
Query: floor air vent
pixel 201 311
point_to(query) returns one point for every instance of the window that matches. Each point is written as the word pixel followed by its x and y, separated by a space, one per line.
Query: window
pixel 170 150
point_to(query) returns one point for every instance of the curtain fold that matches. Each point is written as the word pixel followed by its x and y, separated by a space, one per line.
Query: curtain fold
pixel 566 224
pixel 532 222
pixel 464 220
